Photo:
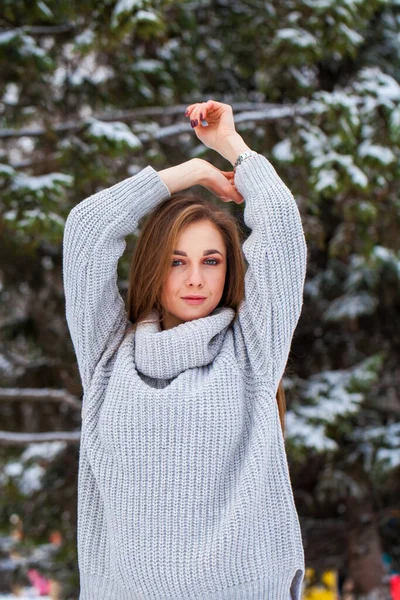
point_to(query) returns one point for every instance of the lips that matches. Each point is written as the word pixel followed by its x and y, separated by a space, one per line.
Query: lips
pixel 194 300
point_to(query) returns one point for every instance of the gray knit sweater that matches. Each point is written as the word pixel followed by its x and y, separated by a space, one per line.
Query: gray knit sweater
pixel 183 487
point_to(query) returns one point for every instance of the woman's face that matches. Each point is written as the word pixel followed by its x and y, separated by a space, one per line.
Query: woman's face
pixel 198 268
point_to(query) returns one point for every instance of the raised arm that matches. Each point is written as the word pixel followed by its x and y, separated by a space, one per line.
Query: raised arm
pixel 276 253
pixel 93 242
pixel 276 250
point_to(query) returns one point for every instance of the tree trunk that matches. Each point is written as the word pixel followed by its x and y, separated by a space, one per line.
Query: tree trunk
pixel 365 565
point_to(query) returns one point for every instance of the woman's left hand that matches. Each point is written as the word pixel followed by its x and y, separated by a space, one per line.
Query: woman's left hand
pixel 220 183
pixel 219 119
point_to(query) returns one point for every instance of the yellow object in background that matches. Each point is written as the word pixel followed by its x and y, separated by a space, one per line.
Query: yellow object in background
pixel 326 589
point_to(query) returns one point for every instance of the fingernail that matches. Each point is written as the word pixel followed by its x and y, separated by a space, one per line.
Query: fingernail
pixel 196 123
pixel 201 116
pixel 186 113
pixel 192 124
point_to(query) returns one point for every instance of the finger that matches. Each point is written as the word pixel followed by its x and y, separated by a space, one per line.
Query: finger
pixel 198 114
pixel 212 105
pixel 189 110
pixel 238 198
pixel 194 115
pixel 227 189
pixel 229 176
pixel 193 110
pixel 203 114
pixel 190 107
pixel 227 173
pixel 200 110
pixel 234 194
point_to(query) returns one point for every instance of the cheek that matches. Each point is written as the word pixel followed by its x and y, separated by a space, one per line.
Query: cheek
pixel 218 278
pixel 170 284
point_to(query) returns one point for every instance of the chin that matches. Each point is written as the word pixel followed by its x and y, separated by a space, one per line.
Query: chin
pixel 196 312
pixel 187 312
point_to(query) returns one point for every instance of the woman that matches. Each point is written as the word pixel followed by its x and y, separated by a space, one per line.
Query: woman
pixel 184 489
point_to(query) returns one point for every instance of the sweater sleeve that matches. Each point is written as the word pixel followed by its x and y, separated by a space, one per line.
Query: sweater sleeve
pixel 276 254
pixel 93 242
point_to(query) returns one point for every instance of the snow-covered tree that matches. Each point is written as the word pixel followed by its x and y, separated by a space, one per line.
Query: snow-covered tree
pixel 91 94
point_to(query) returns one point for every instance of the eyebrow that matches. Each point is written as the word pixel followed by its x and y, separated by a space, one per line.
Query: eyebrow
pixel 205 253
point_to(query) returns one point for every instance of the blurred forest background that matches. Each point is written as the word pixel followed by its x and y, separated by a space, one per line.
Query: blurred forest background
pixel 94 91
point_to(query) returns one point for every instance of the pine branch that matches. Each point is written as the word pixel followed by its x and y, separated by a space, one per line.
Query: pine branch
pixel 248 111
pixel 10 438
pixel 48 29
pixel 39 395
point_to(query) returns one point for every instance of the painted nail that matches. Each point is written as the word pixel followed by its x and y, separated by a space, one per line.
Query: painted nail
pixel 196 123
pixel 191 123
pixel 186 113
pixel 201 116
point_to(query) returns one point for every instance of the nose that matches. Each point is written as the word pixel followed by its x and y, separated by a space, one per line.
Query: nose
pixel 195 277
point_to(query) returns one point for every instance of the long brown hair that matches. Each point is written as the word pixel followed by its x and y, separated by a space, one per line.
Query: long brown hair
pixel 151 259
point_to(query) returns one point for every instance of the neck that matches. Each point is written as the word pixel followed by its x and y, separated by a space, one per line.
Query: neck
pixel 168 321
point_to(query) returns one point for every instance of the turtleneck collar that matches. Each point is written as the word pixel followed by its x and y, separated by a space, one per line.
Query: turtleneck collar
pixel 163 354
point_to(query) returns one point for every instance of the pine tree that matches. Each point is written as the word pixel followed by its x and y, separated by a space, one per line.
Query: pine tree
pixel 94 92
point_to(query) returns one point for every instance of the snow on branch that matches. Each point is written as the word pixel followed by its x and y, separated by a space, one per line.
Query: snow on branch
pixel 11 438
pixel 244 112
pixel 39 395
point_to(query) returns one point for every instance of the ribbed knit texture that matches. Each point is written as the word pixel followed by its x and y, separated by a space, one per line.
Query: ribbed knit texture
pixel 183 487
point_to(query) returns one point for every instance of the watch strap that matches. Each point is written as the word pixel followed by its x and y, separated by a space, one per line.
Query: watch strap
pixel 243 156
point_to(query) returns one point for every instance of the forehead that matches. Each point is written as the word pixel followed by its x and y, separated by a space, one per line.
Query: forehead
pixel 201 235
pixel 199 229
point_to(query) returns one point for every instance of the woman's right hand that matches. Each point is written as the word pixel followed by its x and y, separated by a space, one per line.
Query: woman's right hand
pixel 220 183
pixel 220 121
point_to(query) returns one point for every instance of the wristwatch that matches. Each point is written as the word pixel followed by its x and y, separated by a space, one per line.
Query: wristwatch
pixel 242 156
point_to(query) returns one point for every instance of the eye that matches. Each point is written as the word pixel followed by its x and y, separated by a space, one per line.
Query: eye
pixel 177 260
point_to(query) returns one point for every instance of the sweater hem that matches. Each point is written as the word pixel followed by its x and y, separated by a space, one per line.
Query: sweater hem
pixel 274 587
